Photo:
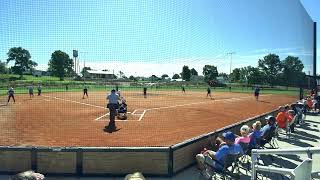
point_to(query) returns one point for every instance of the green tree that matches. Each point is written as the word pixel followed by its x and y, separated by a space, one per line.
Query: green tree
pixel 210 73
pixel 271 67
pixel 132 78
pixel 235 75
pixel 3 68
pixel 122 75
pixel 154 78
pixel 85 70
pixel 193 72
pixel 292 74
pixel 186 73
pixel 164 76
pixel 251 75
pixel 22 60
pixel 175 76
pixel 60 65
pixel 224 75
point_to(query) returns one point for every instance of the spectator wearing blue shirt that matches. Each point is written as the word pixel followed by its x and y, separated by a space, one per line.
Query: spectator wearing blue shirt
pixel 268 130
pixel 211 157
pixel 255 136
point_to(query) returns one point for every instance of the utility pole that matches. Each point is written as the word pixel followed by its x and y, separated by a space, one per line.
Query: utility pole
pixel 75 56
pixel 231 53
pixel 84 60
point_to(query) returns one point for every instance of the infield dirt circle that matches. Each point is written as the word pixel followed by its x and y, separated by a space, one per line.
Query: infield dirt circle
pixel 163 118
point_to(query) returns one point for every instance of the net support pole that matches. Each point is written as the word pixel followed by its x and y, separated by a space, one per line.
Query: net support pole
pixel 315 55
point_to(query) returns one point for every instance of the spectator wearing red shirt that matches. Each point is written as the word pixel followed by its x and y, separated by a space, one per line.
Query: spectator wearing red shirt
pixel 282 118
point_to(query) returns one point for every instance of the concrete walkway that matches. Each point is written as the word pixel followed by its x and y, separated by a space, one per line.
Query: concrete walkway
pixel 306 135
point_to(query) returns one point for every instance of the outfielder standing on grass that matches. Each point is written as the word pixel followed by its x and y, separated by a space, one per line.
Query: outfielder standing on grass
pixel 11 95
pixel 31 91
pixel 39 90
pixel 112 106
pixel 85 92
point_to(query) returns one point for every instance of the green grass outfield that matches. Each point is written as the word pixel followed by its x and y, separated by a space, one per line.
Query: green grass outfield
pixel 53 84
pixel 24 90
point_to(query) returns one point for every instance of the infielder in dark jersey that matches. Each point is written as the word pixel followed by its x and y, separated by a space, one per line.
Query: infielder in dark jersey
pixel 183 89
pixel 145 92
pixel 11 95
pixel 209 93
pixel 257 93
pixel 85 92
pixel 31 91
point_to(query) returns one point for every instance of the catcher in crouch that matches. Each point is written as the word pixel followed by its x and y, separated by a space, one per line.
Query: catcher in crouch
pixel 122 111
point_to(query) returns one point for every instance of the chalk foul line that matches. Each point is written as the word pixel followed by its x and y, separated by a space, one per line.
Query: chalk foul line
pixel 101 107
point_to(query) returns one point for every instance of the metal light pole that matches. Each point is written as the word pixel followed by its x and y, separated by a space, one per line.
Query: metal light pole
pixel 231 53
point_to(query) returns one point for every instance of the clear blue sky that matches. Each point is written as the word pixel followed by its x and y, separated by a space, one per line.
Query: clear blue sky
pixel 155 36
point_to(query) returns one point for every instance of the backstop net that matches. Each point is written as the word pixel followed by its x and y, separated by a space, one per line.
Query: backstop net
pixel 183 68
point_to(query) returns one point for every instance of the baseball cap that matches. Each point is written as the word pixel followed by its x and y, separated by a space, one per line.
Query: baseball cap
pixel 229 136
pixel 271 118
pixel 291 111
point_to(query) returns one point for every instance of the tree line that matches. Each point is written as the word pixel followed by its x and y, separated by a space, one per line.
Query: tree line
pixel 270 70
pixel 60 64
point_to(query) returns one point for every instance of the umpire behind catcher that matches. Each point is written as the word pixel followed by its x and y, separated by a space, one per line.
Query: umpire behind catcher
pixel 113 105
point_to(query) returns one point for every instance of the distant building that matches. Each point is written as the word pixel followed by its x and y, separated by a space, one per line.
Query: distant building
pixel 179 80
pixel 100 75
pixel 39 73
pixel 196 78
pixel 221 80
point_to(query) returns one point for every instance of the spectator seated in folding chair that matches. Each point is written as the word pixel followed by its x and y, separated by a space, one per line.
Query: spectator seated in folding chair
pixel 282 121
pixel 212 163
pixel 297 108
pixel 268 133
pixel 255 136
pixel 300 106
pixel 315 104
pixel 244 138
pixel 309 104
pixel 244 141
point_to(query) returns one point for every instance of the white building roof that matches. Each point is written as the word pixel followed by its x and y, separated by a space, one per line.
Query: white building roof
pixel 98 72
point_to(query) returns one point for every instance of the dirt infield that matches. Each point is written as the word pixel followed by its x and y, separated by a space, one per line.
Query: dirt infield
pixel 162 119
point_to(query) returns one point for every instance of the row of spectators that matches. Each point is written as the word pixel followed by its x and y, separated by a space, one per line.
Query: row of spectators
pixel 231 143
pixel 252 138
